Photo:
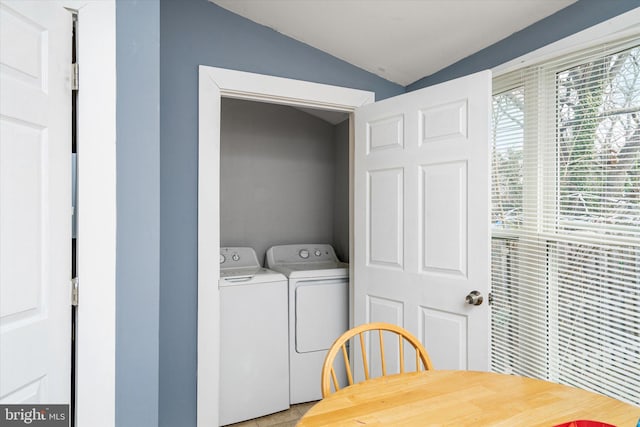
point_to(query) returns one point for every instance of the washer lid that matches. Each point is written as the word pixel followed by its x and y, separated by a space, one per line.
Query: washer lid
pixel 249 276
pixel 238 273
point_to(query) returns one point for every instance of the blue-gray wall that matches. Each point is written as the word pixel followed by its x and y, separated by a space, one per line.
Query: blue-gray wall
pixel 138 212
pixel 570 20
pixel 197 32
pixel 157 170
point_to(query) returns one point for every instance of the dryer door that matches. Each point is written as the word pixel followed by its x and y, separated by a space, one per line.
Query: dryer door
pixel 322 313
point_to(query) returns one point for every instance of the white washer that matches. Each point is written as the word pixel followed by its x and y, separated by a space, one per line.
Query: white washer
pixel 254 338
pixel 318 310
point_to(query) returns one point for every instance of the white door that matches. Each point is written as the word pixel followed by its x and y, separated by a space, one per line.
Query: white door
pixel 421 223
pixel 35 202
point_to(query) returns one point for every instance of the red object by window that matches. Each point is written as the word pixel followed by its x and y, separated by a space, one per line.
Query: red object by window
pixel 585 423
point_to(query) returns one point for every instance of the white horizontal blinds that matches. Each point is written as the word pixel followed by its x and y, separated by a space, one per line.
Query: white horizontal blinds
pixel 597 222
pixel 566 221
pixel 519 317
pixel 507 158
pixel 598 144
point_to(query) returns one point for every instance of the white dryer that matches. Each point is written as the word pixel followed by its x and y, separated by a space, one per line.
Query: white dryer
pixel 318 310
pixel 254 338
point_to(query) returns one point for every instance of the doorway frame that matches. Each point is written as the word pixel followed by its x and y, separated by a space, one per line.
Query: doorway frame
pixel 214 84
pixel 96 214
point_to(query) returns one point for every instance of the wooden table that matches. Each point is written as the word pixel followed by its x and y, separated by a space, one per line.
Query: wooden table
pixel 465 398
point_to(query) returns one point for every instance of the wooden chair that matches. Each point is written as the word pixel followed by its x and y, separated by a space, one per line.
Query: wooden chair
pixel 340 346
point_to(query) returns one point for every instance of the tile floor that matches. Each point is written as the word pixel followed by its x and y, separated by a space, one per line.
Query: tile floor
pixel 287 418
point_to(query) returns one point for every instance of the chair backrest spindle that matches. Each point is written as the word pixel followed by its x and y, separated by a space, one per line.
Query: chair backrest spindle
pixel 365 364
pixel 336 384
pixel 401 352
pixel 347 365
pixel 382 359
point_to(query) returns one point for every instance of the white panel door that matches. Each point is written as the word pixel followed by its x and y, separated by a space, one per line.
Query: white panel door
pixel 421 223
pixel 35 202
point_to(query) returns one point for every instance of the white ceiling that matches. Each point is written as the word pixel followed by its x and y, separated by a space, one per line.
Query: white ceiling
pixel 399 40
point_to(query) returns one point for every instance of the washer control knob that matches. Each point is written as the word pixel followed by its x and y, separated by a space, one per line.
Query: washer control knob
pixel 235 257
pixel 222 259
pixel 303 253
pixel 317 252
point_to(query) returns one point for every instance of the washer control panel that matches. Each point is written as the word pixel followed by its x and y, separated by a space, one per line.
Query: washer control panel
pixel 238 257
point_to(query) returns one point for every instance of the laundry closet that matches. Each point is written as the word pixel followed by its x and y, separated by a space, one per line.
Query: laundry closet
pixel 284 192
pixel 284 177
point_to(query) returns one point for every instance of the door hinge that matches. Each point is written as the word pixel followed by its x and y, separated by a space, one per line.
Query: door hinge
pixel 75 76
pixel 74 291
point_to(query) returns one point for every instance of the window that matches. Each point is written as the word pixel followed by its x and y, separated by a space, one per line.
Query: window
pixel 566 221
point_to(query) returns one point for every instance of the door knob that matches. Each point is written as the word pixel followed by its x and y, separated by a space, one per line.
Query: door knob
pixel 474 298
